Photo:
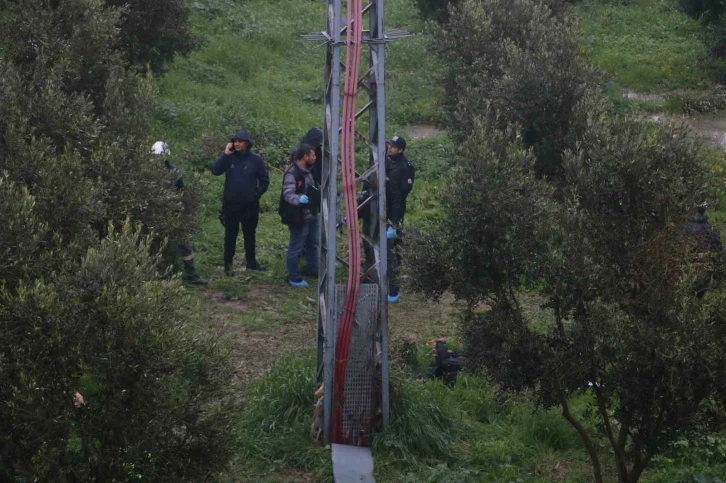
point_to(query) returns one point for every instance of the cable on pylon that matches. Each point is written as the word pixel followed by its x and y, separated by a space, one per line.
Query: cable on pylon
pixel 354 35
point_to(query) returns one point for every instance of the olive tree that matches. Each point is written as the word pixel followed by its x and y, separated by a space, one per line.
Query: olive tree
pixel 85 210
pixel 613 273
pixel 522 59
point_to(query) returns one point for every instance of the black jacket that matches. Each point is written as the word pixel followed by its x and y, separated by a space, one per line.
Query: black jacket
pixel 708 238
pixel 397 187
pixel 246 177
pixel 314 137
pixel 179 182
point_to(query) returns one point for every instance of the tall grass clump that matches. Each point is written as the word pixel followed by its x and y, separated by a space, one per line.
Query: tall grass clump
pixel 274 427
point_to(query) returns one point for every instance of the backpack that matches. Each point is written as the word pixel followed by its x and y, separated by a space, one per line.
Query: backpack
pixel 291 215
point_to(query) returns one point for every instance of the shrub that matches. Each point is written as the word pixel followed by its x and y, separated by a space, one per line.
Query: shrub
pixel 76 136
pixel 153 33
pixel 156 390
pixel 522 59
pixel 713 15
pixel 81 308
pixel 609 258
pixel 147 34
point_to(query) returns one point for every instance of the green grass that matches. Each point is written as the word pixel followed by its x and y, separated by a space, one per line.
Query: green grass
pixel 647 45
pixel 254 65
pixel 470 433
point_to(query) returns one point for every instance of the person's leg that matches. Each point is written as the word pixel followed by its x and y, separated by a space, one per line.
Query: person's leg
pixel 250 219
pixel 369 258
pixel 231 230
pixel 393 268
pixel 297 241
pixel 311 246
pixel 187 254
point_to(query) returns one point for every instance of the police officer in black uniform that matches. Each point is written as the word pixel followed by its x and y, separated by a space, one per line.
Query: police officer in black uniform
pixel 399 182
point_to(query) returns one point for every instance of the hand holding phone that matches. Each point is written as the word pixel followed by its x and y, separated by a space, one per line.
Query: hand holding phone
pixel 229 149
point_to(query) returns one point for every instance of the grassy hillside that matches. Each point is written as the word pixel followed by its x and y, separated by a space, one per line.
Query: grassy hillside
pixel 647 45
pixel 255 70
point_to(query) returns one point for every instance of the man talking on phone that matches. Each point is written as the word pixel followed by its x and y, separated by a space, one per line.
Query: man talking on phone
pixel 246 180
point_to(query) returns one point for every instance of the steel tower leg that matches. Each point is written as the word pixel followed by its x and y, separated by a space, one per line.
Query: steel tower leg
pixel 331 145
pixel 377 217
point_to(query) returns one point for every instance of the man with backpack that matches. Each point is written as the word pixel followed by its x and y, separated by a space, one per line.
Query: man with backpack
pixel 299 205
pixel 246 180
pixel 400 175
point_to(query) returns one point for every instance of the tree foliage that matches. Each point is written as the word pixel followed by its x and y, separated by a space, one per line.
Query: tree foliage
pixel 713 15
pixel 147 34
pixel 153 33
pixel 81 306
pixel 74 124
pixel 522 58
pixel 616 313
pixel 156 391
pixel 564 233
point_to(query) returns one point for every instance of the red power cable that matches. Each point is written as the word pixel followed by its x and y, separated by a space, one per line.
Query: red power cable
pixel 353 53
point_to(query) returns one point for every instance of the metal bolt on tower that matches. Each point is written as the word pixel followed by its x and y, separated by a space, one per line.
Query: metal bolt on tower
pixel 350 356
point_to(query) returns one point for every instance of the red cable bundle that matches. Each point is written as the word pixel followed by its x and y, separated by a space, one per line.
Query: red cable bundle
pixel 353 52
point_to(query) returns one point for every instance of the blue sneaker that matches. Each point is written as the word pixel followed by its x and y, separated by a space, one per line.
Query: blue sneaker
pixel 392 299
pixel 297 282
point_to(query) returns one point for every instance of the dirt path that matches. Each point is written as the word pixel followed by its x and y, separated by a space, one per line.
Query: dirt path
pixel 421 131
pixel 270 322
pixel 262 327
pixel 709 127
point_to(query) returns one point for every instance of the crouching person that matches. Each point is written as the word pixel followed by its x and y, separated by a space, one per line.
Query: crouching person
pixel 299 203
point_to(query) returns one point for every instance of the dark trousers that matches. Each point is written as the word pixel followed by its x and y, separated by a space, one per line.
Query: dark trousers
pixel 248 216
pixel 393 250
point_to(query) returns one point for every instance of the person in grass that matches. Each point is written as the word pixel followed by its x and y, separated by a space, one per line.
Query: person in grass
pixel 246 180
pixel 161 148
pixel 299 203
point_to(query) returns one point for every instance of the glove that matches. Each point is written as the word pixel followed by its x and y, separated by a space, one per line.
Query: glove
pixel 391 233
pixel 304 199
pixel 221 217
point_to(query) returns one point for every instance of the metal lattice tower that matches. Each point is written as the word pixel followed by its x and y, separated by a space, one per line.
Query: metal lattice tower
pixel 368 357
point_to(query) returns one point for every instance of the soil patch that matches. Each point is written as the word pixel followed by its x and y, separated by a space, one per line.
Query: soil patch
pixel 422 131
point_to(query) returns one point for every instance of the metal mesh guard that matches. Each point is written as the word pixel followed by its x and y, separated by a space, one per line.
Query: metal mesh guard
pixel 359 372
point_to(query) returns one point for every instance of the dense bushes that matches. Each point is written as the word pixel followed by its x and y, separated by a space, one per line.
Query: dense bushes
pixel 81 308
pixel 618 315
pixel 522 59
pixel 76 136
pixel 553 193
pixel 713 15
pixel 155 389
pixel 152 33
pixel 147 34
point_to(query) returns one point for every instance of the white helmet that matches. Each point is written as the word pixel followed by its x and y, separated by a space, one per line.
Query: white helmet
pixel 160 147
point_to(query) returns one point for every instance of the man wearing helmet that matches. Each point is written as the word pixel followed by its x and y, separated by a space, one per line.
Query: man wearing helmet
pixel 161 148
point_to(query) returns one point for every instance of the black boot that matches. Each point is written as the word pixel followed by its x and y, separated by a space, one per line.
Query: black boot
pixel 191 273
pixel 255 266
